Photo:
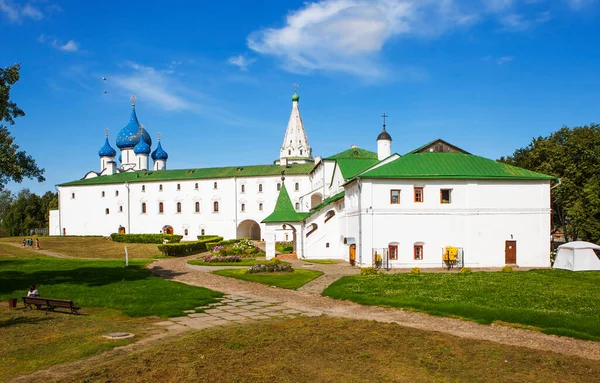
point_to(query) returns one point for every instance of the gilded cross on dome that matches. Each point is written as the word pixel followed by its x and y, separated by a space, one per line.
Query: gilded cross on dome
pixel 132 100
pixel 295 86
pixel 159 136
pixel 106 132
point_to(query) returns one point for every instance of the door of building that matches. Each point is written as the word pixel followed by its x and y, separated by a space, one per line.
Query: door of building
pixel 352 255
pixel 510 253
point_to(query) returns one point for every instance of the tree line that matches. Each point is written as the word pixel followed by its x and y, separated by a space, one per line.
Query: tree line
pixel 573 155
pixel 25 211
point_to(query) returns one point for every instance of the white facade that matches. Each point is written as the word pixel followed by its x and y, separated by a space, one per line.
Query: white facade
pixel 346 214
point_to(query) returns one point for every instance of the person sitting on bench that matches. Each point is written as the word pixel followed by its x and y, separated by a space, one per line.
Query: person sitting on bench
pixel 33 292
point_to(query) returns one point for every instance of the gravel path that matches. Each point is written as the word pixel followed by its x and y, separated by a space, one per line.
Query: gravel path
pixel 310 300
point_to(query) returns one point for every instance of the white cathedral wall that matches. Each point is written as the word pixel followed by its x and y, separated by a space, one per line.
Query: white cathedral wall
pixel 480 218
pixel 86 215
pixel 327 241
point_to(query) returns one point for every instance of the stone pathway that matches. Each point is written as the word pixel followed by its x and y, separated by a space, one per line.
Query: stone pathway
pixel 230 310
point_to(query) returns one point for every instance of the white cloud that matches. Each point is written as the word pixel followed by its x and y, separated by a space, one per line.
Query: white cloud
pixel 349 35
pixel 241 62
pixel 155 86
pixel 504 60
pixel 16 12
pixel 69 46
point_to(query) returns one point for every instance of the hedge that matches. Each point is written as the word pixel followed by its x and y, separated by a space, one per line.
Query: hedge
pixel 146 238
pixel 211 237
pixel 184 248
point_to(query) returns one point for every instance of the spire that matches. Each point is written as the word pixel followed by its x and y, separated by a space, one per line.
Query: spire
pixel 295 148
pixel 284 210
pixel 384 135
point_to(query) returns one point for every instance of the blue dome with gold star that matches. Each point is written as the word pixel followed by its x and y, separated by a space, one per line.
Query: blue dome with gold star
pixel 142 147
pixel 130 135
pixel 159 153
pixel 107 150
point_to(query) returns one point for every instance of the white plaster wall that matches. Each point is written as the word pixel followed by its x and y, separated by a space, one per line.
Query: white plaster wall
pixel 54 225
pixel 330 232
pixel 384 149
pixel 85 214
pixel 481 217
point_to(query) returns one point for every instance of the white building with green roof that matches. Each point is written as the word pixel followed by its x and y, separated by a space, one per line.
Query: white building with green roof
pixel 360 206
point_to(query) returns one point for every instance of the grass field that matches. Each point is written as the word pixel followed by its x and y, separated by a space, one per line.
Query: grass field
pixel 91 247
pixel 335 350
pixel 103 284
pixel 243 262
pixel 554 301
pixel 321 261
pixel 292 281
pixel 32 340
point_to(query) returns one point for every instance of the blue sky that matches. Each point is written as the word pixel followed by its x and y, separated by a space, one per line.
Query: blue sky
pixel 215 78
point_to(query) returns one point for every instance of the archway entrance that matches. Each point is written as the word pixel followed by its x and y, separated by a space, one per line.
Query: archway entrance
pixel 249 229
pixel 315 200
pixel 167 229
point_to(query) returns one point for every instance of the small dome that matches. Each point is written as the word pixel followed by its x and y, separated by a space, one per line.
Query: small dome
pixel 142 147
pixel 295 97
pixel 129 136
pixel 384 136
pixel 159 153
pixel 107 150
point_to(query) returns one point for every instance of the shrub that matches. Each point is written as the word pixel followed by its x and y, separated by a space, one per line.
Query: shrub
pixel 182 249
pixel 465 270
pixel 368 271
pixel 275 261
pixel 415 270
pixel 230 259
pixel 146 238
pixel 284 247
pixel 507 269
pixel 270 267
pixel 211 237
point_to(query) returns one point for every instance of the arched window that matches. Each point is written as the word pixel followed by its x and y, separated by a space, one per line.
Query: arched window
pixel 143 207
pixel 216 206
pixel 103 194
pixel 260 188
pixel 143 188
pixel 197 207
pixel 120 208
pixel 289 152
pixel 418 251
pixel 260 207
pixel 329 215
pixel 161 207
pixel 296 186
pixel 297 206
pixel 178 186
pixel 159 187
pixel 196 186
pixel 185 232
pixel 202 232
pixel 243 207
pixel 116 193
pixel 215 186
pixel 107 211
pixel 243 188
pixel 300 151
pixel 313 228
pixel 179 207
pixel 278 186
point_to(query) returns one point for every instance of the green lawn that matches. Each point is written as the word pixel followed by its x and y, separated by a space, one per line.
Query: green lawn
pixel 292 281
pixel 555 301
pixel 243 262
pixel 320 261
pixel 104 284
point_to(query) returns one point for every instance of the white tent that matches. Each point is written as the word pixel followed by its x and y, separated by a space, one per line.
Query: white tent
pixel 578 256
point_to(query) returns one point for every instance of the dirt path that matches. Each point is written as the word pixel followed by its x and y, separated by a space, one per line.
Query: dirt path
pixel 178 270
pixel 45 252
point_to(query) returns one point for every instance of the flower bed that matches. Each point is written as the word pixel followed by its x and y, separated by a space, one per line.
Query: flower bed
pixel 220 259
pixel 241 247
pixel 273 266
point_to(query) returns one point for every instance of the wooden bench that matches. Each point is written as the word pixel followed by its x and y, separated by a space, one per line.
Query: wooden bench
pixel 50 304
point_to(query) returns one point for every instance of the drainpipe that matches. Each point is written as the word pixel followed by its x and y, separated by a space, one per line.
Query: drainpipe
pixel 128 207
pixel 359 221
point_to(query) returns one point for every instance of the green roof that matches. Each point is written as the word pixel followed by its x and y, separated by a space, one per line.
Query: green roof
pixel 326 202
pixel 351 167
pixel 451 165
pixel 284 210
pixel 353 153
pixel 420 148
pixel 193 174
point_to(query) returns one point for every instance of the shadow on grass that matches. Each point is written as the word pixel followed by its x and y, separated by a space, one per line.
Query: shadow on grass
pixel 22 320
pixel 13 280
pixel 164 273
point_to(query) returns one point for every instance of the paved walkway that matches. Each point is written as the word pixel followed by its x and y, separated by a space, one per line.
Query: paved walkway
pixel 314 304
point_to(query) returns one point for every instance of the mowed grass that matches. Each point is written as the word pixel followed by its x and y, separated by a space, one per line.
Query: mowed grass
pixel 321 261
pixel 32 340
pixel 555 301
pixel 101 284
pixel 243 262
pixel 326 349
pixel 292 281
pixel 91 247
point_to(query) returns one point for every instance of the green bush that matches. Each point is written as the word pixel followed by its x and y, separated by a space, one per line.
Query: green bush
pixel 465 270
pixel 211 237
pixel 146 238
pixel 507 269
pixel 184 248
pixel 415 270
pixel 368 271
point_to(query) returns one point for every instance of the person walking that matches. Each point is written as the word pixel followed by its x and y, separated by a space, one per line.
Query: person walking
pixel 37 244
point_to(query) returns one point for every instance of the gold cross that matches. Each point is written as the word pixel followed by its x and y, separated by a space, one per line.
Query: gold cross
pixel 133 100
pixel 295 86
pixel 159 136
pixel 106 132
